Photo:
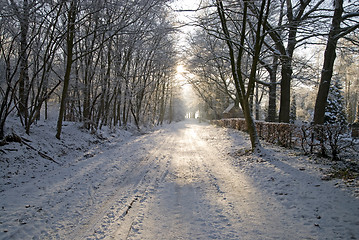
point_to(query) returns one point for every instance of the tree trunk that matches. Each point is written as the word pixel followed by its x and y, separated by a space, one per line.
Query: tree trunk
pixel 257 102
pixel 287 71
pixel 251 128
pixel 170 118
pixel 70 44
pixel 272 102
pixel 285 91
pixel 23 17
pixel 2 126
pixel 329 58
pixel 162 104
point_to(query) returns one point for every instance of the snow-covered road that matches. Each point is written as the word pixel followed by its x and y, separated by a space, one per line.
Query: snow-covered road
pixel 180 182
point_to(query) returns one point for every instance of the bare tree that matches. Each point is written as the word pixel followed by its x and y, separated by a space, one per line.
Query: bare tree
pixel 70 36
pixel 298 15
pixel 351 21
pixel 114 61
pixel 22 12
pixel 244 92
pixel 8 71
pixel 34 64
pixel 212 80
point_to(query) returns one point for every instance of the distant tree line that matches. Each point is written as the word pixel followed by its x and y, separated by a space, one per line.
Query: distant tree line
pixel 106 62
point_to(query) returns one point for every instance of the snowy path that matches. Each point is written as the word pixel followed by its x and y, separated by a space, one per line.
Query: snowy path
pixel 180 182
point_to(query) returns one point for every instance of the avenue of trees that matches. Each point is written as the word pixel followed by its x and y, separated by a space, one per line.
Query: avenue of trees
pixel 248 52
pixel 105 62
pixel 113 63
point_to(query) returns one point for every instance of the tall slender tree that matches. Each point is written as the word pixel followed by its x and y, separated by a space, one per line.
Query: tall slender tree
pixel 70 37
pixel 244 92
pixel 22 13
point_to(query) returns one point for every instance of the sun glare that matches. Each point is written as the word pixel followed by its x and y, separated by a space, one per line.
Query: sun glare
pixel 183 76
pixel 180 74
pixel 180 69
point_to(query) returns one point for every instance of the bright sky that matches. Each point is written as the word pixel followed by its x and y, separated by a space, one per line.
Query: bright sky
pixel 184 13
pixel 186 4
pixel 185 16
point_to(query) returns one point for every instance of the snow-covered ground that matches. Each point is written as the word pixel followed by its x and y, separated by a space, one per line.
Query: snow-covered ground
pixel 182 181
